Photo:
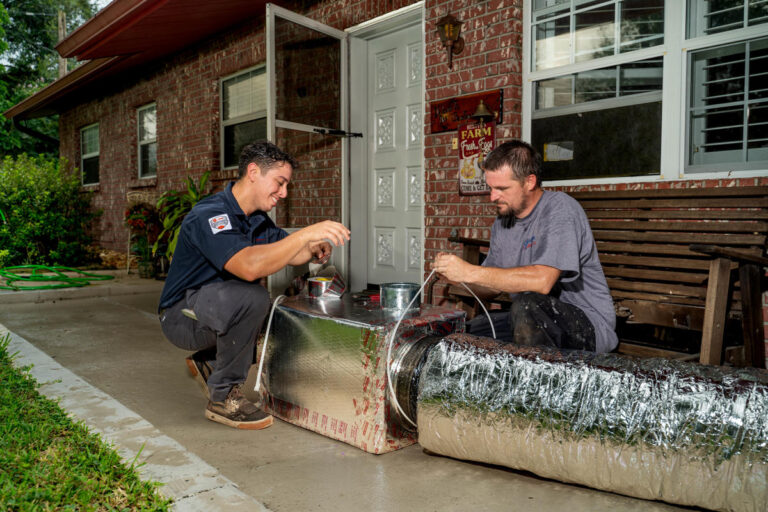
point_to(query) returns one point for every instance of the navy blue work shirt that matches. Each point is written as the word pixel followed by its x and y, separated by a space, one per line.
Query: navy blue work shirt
pixel 212 232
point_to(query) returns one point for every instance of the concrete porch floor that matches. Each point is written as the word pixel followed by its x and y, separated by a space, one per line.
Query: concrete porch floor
pixel 108 335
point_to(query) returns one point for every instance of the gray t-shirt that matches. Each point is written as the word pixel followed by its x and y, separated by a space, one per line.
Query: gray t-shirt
pixel 557 234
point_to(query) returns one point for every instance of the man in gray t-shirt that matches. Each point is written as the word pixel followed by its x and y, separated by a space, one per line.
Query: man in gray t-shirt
pixel 544 255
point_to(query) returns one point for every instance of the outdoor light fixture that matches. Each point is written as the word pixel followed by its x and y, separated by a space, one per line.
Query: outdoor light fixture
pixel 449 29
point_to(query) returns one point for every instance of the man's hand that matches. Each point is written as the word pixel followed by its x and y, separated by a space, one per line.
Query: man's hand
pixel 328 231
pixel 321 251
pixel 452 267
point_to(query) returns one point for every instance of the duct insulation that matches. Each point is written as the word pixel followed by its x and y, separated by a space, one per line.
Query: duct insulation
pixel 651 428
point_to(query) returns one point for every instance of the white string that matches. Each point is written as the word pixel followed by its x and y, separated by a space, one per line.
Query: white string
pixel 266 339
pixel 393 396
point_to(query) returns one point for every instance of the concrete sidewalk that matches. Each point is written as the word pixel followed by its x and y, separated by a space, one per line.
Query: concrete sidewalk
pixel 119 375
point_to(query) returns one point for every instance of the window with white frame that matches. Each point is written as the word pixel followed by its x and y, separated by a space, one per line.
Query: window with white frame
pixel 89 154
pixel 146 117
pixel 243 113
pixel 598 71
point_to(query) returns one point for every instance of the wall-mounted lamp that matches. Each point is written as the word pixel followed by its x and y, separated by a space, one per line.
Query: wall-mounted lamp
pixel 449 29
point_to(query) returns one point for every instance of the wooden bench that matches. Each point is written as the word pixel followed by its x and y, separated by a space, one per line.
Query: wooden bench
pixel 678 260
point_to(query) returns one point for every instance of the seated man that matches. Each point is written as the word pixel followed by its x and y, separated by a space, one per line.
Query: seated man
pixel 227 243
pixel 543 254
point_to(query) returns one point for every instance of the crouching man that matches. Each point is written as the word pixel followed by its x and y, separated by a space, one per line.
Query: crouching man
pixel 543 254
pixel 212 298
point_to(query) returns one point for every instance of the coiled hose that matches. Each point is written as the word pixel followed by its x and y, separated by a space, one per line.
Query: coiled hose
pixel 41 277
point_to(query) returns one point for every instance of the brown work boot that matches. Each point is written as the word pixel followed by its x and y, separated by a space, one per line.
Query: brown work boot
pixel 238 412
pixel 200 368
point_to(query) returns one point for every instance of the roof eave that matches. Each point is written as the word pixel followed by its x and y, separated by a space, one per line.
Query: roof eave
pixel 34 106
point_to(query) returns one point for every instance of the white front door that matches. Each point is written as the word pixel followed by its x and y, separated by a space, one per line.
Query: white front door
pixel 389 163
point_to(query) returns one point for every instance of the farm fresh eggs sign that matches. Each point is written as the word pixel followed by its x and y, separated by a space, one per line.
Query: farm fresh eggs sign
pixel 476 140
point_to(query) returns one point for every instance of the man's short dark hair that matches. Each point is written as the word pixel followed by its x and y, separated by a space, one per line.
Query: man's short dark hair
pixel 265 155
pixel 521 158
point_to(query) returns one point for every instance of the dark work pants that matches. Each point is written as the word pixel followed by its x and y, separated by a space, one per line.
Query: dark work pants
pixel 229 317
pixel 540 320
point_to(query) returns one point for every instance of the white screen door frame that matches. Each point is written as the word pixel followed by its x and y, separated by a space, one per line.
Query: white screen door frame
pixel 340 254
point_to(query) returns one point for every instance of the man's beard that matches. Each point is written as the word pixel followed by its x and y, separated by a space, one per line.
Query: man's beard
pixel 507 220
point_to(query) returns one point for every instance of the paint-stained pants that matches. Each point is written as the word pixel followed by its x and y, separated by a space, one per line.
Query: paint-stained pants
pixel 540 320
pixel 229 317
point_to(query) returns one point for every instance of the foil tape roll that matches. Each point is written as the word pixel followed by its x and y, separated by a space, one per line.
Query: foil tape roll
pixel 326 286
pixel 650 428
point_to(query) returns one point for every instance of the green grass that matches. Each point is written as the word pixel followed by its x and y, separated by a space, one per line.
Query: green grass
pixel 50 462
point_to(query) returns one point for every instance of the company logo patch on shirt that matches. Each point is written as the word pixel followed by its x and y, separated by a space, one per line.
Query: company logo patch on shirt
pixel 219 223
pixel 527 244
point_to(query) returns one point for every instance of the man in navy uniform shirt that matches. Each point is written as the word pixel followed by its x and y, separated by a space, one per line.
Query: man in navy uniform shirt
pixel 226 245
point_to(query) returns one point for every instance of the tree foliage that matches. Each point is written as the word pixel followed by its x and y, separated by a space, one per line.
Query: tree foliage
pixel 29 62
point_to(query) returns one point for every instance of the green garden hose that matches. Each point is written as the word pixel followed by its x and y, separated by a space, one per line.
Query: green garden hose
pixel 47 275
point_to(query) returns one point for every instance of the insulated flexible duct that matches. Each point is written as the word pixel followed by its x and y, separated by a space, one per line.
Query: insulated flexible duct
pixel 651 428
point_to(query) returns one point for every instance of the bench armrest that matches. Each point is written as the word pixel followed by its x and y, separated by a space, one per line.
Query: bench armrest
pixel 469 241
pixel 731 254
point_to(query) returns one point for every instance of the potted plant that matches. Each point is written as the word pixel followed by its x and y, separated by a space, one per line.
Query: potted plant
pixel 142 220
pixel 142 249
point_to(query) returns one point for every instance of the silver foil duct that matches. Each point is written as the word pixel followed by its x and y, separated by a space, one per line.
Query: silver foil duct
pixel 325 368
pixel 650 428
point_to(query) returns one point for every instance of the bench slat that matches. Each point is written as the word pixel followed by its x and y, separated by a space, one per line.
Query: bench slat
pixel 683 238
pixel 672 192
pixel 645 351
pixel 649 261
pixel 693 214
pixel 656 275
pixel 676 290
pixel 694 226
pixel 655 297
pixel 712 202
pixel 645 248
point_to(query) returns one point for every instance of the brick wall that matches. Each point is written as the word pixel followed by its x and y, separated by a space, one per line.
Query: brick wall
pixel 186 90
pixel 491 59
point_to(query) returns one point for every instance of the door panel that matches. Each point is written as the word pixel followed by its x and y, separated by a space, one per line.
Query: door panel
pixel 395 174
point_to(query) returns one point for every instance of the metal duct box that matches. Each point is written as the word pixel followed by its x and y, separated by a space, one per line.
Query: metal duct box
pixel 325 368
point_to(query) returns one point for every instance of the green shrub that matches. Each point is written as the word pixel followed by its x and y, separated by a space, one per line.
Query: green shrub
pixel 45 215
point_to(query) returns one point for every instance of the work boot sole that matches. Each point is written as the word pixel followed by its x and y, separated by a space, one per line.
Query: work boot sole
pixel 199 378
pixel 243 425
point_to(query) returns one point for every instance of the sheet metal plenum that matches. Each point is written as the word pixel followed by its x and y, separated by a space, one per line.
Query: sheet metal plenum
pixel 651 428
pixel 325 368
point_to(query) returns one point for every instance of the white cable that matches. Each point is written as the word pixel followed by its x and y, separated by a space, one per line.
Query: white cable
pixel 493 329
pixel 390 344
pixel 393 397
pixel 266 338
